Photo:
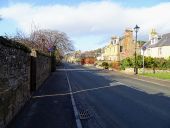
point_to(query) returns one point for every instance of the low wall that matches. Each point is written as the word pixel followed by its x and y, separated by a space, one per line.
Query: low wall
pixel 15 77
pixel 140 70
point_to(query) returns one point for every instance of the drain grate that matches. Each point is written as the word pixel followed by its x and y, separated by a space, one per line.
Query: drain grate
pixel 84 114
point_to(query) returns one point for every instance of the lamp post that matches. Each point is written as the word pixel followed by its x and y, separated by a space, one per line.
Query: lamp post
pixel 136 29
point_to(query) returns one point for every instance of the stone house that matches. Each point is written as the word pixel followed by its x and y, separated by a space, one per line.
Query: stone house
pixel 120 47
pixel 111 51
pixel 158 46
pixel 88 57
pixel 127 45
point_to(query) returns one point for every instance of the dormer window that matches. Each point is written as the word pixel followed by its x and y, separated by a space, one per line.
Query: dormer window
pixel 111 42
pixel 152 41
pixel 115 41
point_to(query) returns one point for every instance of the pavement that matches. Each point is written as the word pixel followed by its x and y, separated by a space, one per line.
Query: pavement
pixel 46 109
pixel 145 78
pixel 139 77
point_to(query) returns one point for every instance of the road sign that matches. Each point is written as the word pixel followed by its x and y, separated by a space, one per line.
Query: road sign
pixel 143 48
pixel 51 49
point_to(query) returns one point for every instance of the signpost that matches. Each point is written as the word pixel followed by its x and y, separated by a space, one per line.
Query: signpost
pixel 51 49
pixel 53 57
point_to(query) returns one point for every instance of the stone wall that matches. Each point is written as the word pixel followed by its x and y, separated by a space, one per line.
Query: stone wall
pixel 43 68
pixel 140 70
pixel 15 75
pixel 14 79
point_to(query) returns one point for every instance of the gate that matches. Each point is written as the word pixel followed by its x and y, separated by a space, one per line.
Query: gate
pixel 33 74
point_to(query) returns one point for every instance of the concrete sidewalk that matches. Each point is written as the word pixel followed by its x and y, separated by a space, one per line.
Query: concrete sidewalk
pixel 144 78
pixel 45 109
pixel 139 77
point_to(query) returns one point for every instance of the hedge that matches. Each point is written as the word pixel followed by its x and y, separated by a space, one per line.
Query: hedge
pixel 149 62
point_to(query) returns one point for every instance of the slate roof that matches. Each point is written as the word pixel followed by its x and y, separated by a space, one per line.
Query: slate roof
pixel 164 41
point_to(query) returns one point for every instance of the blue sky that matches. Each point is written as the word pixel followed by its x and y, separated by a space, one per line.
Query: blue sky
pixel 130 3
pixel 89 24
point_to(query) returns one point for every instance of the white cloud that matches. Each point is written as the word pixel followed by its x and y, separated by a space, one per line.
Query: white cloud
pixel 92 18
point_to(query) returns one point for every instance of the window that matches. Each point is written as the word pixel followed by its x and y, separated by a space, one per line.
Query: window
pixel 149 52
pixel 159 51
pixel 115 41
pixel 121 48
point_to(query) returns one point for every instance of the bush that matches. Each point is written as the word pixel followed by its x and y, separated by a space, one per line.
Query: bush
pixel 139 61
pixel 116 65
pixel 77 60
pixel 122 67
pixel 128 62
pixel 168 63
pixel 150 62
pixel 110 65
pixel 105 65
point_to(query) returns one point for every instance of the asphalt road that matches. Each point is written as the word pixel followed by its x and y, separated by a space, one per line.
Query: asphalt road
pixel 110 100
pixel 103 99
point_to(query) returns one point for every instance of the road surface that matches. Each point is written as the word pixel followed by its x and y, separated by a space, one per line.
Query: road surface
pixel 115 101
pixel 103 99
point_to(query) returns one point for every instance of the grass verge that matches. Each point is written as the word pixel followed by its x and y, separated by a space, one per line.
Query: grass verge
pixel 160 75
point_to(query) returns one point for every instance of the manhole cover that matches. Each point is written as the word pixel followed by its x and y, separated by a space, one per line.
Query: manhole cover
pixel 84 114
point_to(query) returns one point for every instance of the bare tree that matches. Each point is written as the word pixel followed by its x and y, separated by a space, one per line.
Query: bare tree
pixel 47 39
pixel 21 37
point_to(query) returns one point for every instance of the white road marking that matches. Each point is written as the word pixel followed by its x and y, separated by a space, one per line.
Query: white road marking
pixel 92 89
pixel 89 89
pixel 52 95
pixel 79 91
pixel 78 122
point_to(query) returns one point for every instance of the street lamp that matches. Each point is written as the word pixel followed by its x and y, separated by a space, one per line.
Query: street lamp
pixel 136 29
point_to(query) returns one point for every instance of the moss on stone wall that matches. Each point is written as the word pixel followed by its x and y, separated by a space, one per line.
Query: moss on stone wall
pixel 14 44
pixel 43 53
pixel 15 77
